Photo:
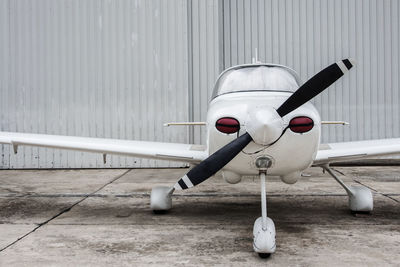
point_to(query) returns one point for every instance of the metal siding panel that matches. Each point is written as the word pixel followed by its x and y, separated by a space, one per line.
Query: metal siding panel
pixel 203 56
pixel 395 26
pixel 387 70
pixel 359 73
pixel 181 72
pixel 317 52
pixel 196 67
pixel 281 30
pixel 337 93
pixel 233 41
pixel 275 31
pixel 289 33
pixel 226 29
pixel 4 77
pixel 353 84
pixel 247 30
pixel 259 13
pixel 253 27
pixel 325 60
pixel 205 64
pixel 241 36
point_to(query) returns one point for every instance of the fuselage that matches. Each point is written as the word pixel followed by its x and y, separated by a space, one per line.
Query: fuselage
pixel 291 153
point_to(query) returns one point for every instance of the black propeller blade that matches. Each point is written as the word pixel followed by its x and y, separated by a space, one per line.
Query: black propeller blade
pixel 213 163
pixel 315 85
pixel 306 92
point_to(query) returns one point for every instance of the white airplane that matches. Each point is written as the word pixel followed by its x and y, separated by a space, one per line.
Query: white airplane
pixel 259 122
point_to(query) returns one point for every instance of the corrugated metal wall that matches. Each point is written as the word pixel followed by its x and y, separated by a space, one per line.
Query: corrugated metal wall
pixel 120 69
pixel 114 69
pixel 311 34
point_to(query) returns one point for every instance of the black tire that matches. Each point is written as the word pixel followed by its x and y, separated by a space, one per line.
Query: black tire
pixel 355 213
pixel 159 212
pixel 264 255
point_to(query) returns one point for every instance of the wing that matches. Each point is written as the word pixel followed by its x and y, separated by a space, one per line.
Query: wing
pixel 346 151
pixel 143 149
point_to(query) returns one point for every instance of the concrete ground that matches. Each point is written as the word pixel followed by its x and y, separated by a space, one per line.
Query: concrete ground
pixel 102 217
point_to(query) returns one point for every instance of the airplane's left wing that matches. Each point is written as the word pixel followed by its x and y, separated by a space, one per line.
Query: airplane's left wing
pixel 348 151
pixel 155 150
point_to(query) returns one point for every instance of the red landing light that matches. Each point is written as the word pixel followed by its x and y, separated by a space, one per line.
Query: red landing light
pixel 301 124
pixel 227 125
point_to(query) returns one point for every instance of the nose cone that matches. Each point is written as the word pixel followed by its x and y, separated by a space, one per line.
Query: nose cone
pixel 264 125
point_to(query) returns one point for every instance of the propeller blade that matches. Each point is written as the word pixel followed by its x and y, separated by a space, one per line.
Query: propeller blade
pixel 315 85
pixel 213 163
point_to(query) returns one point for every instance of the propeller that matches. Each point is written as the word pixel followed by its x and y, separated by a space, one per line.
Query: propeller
pixel 305 93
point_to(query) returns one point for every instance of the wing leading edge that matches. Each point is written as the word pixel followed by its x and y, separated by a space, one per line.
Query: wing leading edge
pixel 154 150
pixel 328 153
pixel 347 151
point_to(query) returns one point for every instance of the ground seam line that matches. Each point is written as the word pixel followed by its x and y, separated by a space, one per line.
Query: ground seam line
pixel 383 194
pixel 63 211
pixel 147 194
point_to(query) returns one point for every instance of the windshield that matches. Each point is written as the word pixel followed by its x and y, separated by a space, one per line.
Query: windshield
pixel 256 78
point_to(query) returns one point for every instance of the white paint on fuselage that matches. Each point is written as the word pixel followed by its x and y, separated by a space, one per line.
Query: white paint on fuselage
pixel 292 152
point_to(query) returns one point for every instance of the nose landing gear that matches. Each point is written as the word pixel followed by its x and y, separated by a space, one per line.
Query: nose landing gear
pixel 264 228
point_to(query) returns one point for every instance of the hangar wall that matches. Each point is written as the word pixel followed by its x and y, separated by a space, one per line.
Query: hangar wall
pixel 120 69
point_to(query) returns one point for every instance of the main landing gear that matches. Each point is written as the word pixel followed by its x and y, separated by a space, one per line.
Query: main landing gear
pixel 360 197
pixel 264 228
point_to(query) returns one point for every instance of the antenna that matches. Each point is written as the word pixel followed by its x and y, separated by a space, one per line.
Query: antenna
pixel 255 59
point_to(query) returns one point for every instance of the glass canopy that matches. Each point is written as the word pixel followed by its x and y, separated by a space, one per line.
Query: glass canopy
pixel 256 78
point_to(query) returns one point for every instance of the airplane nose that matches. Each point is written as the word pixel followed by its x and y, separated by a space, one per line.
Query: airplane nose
pixel 264 125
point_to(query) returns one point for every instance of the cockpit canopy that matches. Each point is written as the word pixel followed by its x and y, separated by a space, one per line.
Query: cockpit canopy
pixel 261 77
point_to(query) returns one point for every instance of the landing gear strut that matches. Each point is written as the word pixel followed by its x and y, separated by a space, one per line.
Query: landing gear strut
pixel 264 227
pixel 360 197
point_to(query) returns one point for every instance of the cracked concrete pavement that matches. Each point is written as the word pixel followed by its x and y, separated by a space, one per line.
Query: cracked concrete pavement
pixel 102 217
